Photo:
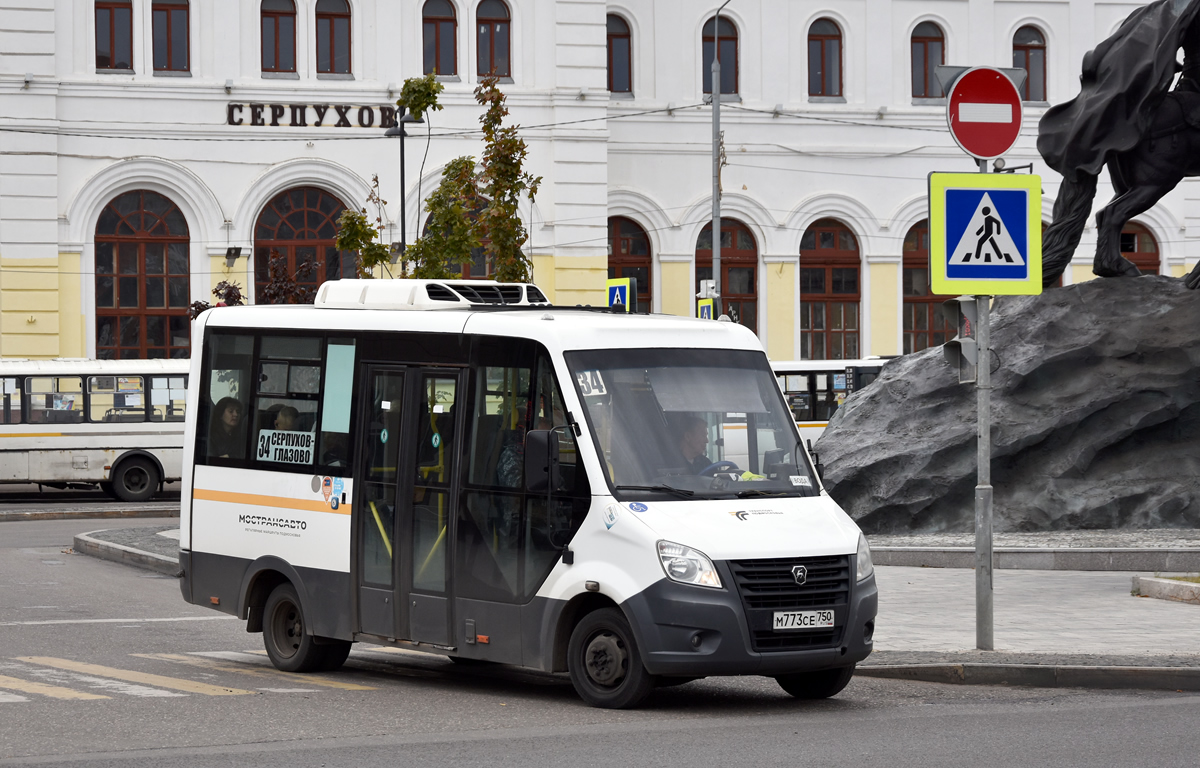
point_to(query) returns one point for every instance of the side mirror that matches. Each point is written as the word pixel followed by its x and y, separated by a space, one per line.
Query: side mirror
pixel 541 459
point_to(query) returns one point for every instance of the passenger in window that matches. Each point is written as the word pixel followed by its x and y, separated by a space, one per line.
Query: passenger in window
pixel 286 418
pixel 693 440
pixel 225 435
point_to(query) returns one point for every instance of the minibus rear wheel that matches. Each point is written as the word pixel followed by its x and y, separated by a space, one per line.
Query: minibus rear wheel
pixel 816 685
pixel 604 662
pixel 288 643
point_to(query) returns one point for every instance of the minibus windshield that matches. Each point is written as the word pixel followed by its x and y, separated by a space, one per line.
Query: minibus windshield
pixel 690 423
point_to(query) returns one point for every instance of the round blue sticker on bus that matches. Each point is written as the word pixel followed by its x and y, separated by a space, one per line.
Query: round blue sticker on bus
pixel 436 440
pixel 383 436
pixel 638 506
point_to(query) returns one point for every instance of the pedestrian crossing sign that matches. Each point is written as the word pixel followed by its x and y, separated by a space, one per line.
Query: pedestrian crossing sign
pixel 985 234
pixel 618 292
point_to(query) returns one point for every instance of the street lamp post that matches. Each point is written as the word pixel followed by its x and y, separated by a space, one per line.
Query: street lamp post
pixel 398 130
pixel 716 159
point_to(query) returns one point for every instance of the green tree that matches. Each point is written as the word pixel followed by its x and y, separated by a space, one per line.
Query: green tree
pixel 452 232
pixel 503 181
pixel 359 236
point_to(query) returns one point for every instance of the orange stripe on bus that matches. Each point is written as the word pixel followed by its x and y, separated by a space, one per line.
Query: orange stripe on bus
pixel 36 434
pixel 258 500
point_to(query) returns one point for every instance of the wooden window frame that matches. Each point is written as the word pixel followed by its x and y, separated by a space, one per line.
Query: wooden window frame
pixel 434 24
pixel 821 40
pixel 274 17
pixel 1022 52
pixel 927 71
pixel 166 9
pixel 732 257
pixel 937 330
pixel 111 6
pixel 619 259
pixel 628 37
pixel 706 67
pixel 263 246
pixel 829 259
pixel 331 18
pixel 491 22
pixel 1144 260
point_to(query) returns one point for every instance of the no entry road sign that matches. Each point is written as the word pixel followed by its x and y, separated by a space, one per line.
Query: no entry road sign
pixel 985 234
pixel 984 112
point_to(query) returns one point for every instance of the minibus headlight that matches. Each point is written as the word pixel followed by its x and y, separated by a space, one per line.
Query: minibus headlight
pixel 687 566
pixel 865 566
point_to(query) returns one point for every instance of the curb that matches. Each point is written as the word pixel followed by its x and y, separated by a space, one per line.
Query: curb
pixel 1043 676
pixel 105 550
pixel 1166 589
pixel 100 514
pixel 1041 559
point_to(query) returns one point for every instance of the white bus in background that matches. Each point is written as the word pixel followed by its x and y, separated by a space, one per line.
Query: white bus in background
pixel 814 389
pixel 461 468
pixel 117 424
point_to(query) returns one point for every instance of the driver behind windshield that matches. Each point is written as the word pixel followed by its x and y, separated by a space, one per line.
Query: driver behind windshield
pixel 693 440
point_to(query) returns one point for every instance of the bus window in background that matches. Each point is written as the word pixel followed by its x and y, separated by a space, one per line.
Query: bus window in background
pixel 116 398
pixel 288 385
pixel 229 361
pixel 55 399
pixel 11 413
pixel 168 398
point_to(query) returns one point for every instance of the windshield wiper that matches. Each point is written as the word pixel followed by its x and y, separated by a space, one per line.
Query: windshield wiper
pixel 663 488
pixel 757 492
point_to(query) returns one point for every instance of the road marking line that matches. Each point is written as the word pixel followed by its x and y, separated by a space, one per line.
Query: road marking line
pixel 112 621
pixel 242 668
pixel 41 689
pixel 134 677
pixel 11 698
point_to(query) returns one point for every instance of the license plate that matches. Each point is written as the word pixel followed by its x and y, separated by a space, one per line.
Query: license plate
pixel 785 620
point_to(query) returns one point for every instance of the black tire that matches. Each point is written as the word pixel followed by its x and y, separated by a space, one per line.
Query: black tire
pixel 135 479
pixel 671 682
pixel 107 487
pixel 605 664
pixel 285 633
pixel 816 685
pixel 335 654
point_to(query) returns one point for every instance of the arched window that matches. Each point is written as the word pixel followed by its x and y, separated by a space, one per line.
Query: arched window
pixel 440 37
pixel 739 262
pixel 726 46
pixel 494 39
pixel 824 59
pixel 923 323
pixel 928 52
pixel 300 224
pixel 1140 247
pixel 114 34
pixel 142 278
pixel 278 36
pixel 829 292
pixel 170 33
pixel 1029 54
pixel 620 56
pixel 629 256
pixel 333 37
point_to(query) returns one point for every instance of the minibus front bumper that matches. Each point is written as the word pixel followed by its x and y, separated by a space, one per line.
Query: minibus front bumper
pixel 690 631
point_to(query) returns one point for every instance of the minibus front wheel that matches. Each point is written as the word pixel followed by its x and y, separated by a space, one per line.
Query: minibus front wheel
pixel 816 685
pixel 605 664
pixel 285 635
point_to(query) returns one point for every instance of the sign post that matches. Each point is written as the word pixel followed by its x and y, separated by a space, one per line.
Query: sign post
pixel 984 240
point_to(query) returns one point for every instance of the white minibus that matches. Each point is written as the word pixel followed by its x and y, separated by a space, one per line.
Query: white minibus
pixel 80 423
pixel 460 467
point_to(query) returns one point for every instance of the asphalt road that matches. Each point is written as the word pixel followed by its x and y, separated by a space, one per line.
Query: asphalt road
pixel 102 664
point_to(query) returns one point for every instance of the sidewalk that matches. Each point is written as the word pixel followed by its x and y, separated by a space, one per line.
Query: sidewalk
pixel 1053 628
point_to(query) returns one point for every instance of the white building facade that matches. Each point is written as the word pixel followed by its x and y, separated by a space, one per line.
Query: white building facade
pixel 142 140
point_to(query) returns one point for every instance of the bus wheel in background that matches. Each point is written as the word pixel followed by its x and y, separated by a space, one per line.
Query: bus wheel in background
pixel 816 685
pixel 288 643
pixel 604 662
pixel 108 489
pixel 135 479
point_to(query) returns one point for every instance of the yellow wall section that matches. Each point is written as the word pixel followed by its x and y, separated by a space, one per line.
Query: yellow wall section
pixel 885 309
pixel 72 339
pixel 1081 274
pixel 218 272
pixel 781 311
pixel 543 274
pixel 29 308
pixel 676 289
pixel 579 280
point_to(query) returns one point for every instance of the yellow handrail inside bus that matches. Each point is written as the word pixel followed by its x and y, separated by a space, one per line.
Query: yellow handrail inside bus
pixel 382 532
pixel 432 551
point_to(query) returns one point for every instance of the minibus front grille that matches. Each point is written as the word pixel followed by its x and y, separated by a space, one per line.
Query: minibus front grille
pixel 770 585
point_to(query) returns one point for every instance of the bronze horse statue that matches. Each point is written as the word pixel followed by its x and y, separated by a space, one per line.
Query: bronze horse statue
pixel 1128 118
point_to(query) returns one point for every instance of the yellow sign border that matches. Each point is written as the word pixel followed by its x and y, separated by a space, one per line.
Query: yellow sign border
pixel 701 304
pixel 943 286
pixel 620 282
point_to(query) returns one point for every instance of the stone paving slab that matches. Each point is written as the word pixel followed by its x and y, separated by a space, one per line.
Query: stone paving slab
pixel 1133 538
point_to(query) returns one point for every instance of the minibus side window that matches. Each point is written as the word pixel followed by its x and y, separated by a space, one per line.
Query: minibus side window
pixel 168 398
pixel 55 399
pixel 335 403
pixel 11 413
pixel 221 422
pixel 287 390
pixel 116 399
